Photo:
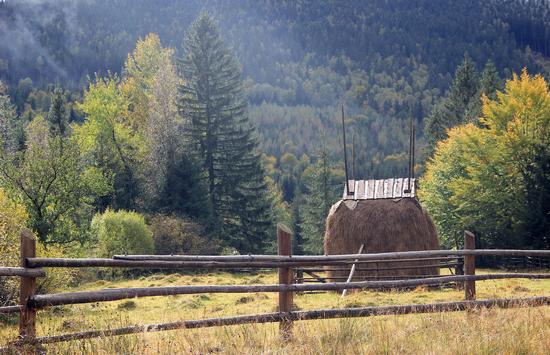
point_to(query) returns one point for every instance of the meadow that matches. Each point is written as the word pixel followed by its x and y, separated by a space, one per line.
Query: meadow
pixel 487 331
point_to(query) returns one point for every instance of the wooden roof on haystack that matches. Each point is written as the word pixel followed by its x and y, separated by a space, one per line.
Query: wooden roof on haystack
pixel 380 189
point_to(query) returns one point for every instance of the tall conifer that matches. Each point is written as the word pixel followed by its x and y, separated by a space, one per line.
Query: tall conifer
pixel 212 97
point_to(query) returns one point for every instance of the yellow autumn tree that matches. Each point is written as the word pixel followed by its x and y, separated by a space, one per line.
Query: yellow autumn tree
pixel 495 179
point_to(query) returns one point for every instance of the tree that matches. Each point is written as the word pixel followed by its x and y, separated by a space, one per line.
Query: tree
pixel 57 116
pixel 52 181
pixel 488 86
pixel 107 141
pixel 451 111
pixel 11 127
pixel 212 96
pixel 495 179
pixel 322 190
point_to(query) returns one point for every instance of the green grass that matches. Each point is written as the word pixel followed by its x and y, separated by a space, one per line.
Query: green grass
pixel 513 331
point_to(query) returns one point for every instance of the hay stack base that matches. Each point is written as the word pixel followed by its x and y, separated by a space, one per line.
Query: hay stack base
pixel 384 225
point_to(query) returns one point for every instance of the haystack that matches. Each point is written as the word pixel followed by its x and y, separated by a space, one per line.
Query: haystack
pixel 382 225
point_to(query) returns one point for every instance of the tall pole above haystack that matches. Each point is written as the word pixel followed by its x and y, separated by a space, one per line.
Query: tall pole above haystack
pixel 345 151
pixel 411 153
pixel 353 156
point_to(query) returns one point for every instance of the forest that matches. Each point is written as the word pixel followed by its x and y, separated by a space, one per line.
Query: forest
pixel 197 126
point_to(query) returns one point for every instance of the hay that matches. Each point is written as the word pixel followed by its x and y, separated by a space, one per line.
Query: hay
pixel 382 226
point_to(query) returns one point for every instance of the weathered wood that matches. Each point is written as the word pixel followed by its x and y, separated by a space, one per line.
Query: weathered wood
pixel 284 244
pixel 379 187
pixel 398 188
pixel 21 271
pixel 360 190
pixel 304 315
pixel 352 271
pixel 10 309
pixel 388 192
pixel 469 266
pixel 27 289
pixel 106 295
pixel 445 265
pixel 274 258
pixel 277 261
pixel 369 194
pixel 314 276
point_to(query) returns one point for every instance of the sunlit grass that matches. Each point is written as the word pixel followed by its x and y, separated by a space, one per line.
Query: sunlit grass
pixel 525 330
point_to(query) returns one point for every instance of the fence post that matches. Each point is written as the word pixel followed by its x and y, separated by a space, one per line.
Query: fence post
pixel 27 289
pixel 469 266
pixel 284 243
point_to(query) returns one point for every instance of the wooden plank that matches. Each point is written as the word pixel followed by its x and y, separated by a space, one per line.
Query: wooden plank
pixel 388 193
pixel 406 186
pixel 413 188
pixel 352 186
pixel 370 189
pixel 398 188
pixel 379 189
pixel 360 190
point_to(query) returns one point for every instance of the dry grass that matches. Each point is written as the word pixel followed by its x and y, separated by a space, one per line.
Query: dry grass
pixel 513 331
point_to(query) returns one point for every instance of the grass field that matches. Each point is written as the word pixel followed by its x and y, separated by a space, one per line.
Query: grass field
pixel 512 331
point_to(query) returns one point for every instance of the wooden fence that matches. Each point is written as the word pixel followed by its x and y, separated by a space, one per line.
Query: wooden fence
pixel 31 268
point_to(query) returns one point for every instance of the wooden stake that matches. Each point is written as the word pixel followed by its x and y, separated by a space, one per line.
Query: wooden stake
pixel 27 289
pixel 284 243
pixel 352 271
pixel 469 266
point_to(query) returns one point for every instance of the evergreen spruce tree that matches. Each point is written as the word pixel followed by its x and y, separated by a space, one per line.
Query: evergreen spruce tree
pixel 490 81
pixel 322 192
pixel 488 85
pixel 453 109
pixel 57 116
pixel 8 123
pixel 213 99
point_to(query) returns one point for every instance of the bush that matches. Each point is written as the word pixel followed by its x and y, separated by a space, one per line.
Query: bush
pixel 175 235
pixel 121 232
pixel 13 219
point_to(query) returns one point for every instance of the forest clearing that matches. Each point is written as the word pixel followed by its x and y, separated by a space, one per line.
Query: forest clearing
pixel 296 176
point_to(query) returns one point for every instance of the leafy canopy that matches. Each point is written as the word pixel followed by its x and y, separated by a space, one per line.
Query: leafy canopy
pixel 495 179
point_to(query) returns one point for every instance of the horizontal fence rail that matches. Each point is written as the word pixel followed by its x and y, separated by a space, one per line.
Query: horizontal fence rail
pixel 10 309
pixel 124 293
pixel 342 257
pixel 270 261
pixel 303 315
pixel 21 271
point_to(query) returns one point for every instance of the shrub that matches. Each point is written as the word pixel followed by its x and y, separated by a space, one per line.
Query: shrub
pixel 13 219
pixel 121 232
pixel 175 235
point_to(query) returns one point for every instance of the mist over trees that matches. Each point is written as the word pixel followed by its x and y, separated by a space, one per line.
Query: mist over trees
pixel 223 116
